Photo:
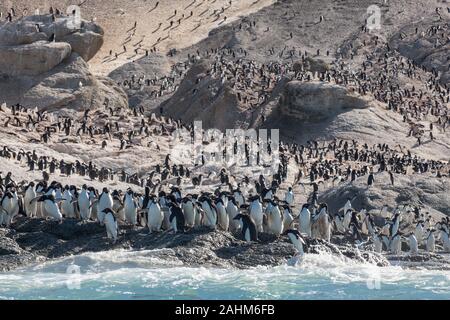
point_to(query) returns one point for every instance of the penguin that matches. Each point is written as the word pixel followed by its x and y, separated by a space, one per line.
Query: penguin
pixel 413 244
pixel 176 218
pixel 347 218
pixel 339 223
pixel 396 244
pixel 30 194
pixel 275 220
pixel 50 206
pixel 67 205
pixel 233 211
pixel 289 196
pixel 395 224
pixel 190 211
pixel 305 220
pixel 223 219
pixel 210 210
pixel 110 222
pixel 154 216
pixel 10 207
pixel 370 180
pixel 130 207
pixel 93 196
pixel 249 229
pixel 84 204
pixel 321 226
pixel 256 212
pixel 288 219
pixel 419 232
pixel 105 201
pixel 431 241
pixel 297 240
pixel 239 198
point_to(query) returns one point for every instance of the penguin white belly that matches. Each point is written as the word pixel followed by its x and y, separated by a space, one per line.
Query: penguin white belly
pixel 84 204
pixel 105 202
pixel 256 214
pixel 30 207
pixel 210 216
pixel 276 223
pixel 222 217
pixel 111 227
pixel 431 243
pixel 305 223
pixel 130 211
pixel 67 207
pixel 155 218
pixel 287 220
pixel 346 222
pixel 232 212
pixel 189 214
pixel 247 235
pixel 166 222
pixel 396 245
pixel 52 210
pixel 413 247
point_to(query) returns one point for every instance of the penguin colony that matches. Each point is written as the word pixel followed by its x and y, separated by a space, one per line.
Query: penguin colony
pixel 225 210
pixel 243 206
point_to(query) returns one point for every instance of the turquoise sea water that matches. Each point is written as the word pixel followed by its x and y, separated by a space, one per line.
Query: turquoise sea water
pixel 142 275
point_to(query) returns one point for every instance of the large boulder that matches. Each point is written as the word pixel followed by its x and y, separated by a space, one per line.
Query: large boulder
pixel 43 63
pixel 201 97
pixel 317 101
pixel 70 85
pixel 85 39
pixel 32 59
pixel 427 47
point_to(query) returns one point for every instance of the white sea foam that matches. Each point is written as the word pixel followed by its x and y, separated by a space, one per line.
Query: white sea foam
pixel 154 274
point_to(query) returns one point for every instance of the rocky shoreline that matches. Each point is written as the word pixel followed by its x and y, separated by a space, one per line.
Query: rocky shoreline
pixel 32 241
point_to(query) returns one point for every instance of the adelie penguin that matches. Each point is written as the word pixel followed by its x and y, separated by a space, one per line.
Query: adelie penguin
pixel 110 222
pixel 50 206
pixel 249 231
pixel 297 240
pixel 154 216
pixel 176 218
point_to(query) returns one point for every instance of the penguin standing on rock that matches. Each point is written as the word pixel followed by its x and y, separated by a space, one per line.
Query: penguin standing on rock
pixel 249 231
pixel 297 240
pixel 110 222
pixel 176 218
pixel 50 206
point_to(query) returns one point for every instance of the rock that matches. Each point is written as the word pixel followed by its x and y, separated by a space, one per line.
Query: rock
pixel 317 101
pixel 60 88
pixel 213 103
pixel 431 51
pixel 54 75
pixel 85 39
pixel 41 239
pixel 32 59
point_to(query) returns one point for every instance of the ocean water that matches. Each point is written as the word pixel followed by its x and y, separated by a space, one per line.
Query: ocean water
pixel 143 275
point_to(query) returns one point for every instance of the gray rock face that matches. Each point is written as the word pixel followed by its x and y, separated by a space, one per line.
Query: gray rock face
pixel 32 59
pixel 428 47
pixel 53 75
pixel 317 101
pixel 85 39
pixel 213 103
pixel 32 240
